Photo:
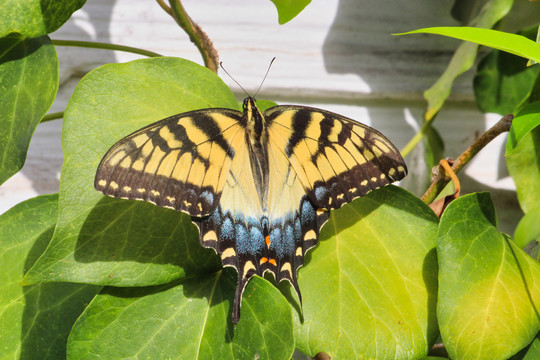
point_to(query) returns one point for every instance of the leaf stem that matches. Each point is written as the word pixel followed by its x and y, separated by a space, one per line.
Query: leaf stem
pixel 105 46
pixel 196 34
pixel 52 116
pixel 417 137
pixel 165 7
pixel 440 180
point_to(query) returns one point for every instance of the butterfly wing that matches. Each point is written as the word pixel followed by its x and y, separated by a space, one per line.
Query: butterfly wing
pixel 180 162
pixel 336 158
pixel 201 163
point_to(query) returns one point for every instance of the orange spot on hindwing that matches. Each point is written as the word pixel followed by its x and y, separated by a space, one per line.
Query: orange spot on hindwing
pixel 265 260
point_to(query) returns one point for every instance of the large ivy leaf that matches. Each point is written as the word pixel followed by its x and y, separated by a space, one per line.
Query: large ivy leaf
pixel 523 164
pixel 288 9
pixel 489 289
pixel 28 84
pixel 188 319
pixel 35 321
pixel 369 288
pixel 33 18
pixel 504 82
pixel 118 242
pixel 463 59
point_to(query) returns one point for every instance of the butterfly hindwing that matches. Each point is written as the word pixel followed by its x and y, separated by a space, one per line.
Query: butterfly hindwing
pixel 336 158
pixel 180 162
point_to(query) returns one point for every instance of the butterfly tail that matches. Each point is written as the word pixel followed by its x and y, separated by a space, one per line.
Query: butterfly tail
pixel 240 287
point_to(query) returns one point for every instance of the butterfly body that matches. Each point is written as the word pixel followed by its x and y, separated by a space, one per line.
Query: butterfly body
pixel 257 184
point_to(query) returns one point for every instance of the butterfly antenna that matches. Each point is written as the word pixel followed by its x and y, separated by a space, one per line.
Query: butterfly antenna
pixel 265 75
pixel 237 83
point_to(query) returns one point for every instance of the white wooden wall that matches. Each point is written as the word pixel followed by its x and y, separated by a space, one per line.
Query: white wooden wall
pixel 337 55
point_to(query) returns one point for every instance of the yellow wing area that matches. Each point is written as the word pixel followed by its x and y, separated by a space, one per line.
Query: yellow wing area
pixel 337 159
pixel 239 190
pixel 180 162
pixel 284 188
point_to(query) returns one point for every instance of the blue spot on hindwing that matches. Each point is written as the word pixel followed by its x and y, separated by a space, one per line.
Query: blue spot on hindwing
pixel 288 239
pixel 227 229
pixel 215 218
pixel 257 240
pixel 320 193
pixel 308 213
pixel 208 197
pixel 297 228
pixel 242 239
pixel 275 241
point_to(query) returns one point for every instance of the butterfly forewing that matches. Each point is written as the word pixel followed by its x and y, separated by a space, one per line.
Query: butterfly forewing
pixel 337 159
pixel 180 162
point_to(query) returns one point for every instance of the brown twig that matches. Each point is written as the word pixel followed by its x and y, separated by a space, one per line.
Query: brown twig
pixel 440 180
pixel 438 206
pixel 196 34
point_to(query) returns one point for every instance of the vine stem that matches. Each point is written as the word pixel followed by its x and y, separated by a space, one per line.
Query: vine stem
pixel 52 116
pixel 105 46
pixel 440 179
pixel 417 137
pixel 196 34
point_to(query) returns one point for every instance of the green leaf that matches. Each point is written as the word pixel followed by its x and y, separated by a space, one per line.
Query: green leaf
pixel 504 82
pixel 28 84
pixel 512 43
pixel 524 166
pixel 533 352
pixel 288 9
pixel 33 18
pixel 108 241
pixel 489 289
pixel 188 319
pixel 35 321
pixel 265 104
pixel 369 288
pixel 526 120
pixel 465 10
pixel 464 57
pixel 528 228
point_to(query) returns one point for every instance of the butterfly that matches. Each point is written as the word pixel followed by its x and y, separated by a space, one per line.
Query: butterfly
pixel 258 185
